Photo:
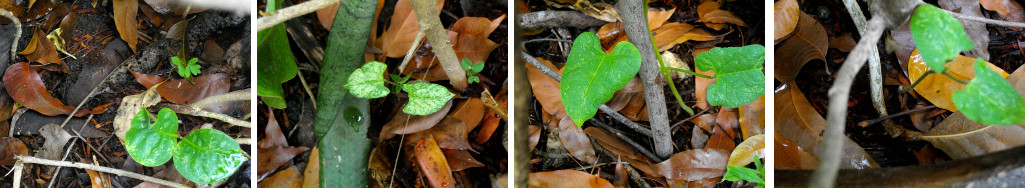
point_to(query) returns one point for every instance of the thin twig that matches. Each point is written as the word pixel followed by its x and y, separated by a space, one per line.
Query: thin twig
pixel 866 123
pixel 490 102
pixel 307 88
pixel 33 160
pixel 628 141
pixel 874 72
pixel 955 135
pixel 285 14
pixel 17 32
pixel 412 48
pixel 198 111
pixel 986 20
pixel 427 14
pixel 604 108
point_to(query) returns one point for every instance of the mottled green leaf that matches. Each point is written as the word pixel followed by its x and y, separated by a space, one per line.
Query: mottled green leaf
pixel 368 81
pixel 207 155
pixel 738 74
pixel 989 99
pixel 591 76
pixel 938 35
pixel 426 98
pixel 275 64
pixel 149 142
pixel 465 64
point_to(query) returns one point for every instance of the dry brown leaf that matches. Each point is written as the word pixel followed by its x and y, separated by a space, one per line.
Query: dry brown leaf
pixel 670 35
pixel 1011 10
pixel 403 123
pixel 24 85
pixel 702 124
pixel 745 151
pixel 938 88
pixel 622 179
pixel 459 160
pixel 42 51
pixel 183 92
pixel 701 84
pixel 124 18
pixel 274 149
pixel 693 165
pixel 629 101
pixel 401 30
pixel 722 133
pixel 808 42
pixel 787 155
pixel 796 120
pixel 722 17
pixel 786 18
pixel 470 111
pixel 613 144
pixel 993 139
pixel 288 178
pixel 469 37
pixel 578 144
pixel 326 16
pixel 535 135
pixel 707 6
pixel 170 174
pixel 843 42
pixel 658 17
pixel 546 89
pixel 977 31
pixel 432 163
pixel 311 176
pixel 601 11
pixel 450 134
pixel 10 147
pixel 567 178
pixel 752 118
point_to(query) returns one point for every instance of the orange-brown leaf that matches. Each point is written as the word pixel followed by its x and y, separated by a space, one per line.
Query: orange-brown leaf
pixel 402 29
pixel 721 16
pixel 41 50
pixel 701 84
pixel 23 83
pixel 450 134
pixel 808 42
pixel 658 17
pixel 124 18
pixel 1007 8
pixel 546 89
pixel 578 144
pixel 459 160
pixel 667 36
pixel 433 163
pixel 693 165
pixel 567 178
pixel 787 155
pixel 403 123
pixel 10 147
pixel 796 120
pixel 274 149
pixel 183 92
pixel 787 13
pixel 938 88
pixel 752 118
pixel 288 178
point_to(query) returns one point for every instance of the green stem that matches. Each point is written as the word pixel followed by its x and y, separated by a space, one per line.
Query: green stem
pixel 687 71
pixel 919 80
pixel 669 80
pixel 955 79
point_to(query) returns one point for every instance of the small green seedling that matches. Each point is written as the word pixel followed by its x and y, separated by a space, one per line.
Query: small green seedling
pixel 186 69
pixel 735 173
pixel 204 156
pixel 471 70
pixel 987 98
pixel 424 98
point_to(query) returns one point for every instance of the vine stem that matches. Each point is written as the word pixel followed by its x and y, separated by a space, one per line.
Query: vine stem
pixel 919 80
pixel 687 71
pixel 986 20
pixel 285 14
pixel 955 135
pixel 945 73
pixel 22 160
pixel 17 32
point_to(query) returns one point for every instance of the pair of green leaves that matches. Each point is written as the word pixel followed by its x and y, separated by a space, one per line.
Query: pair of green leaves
pixel 204 156
pixel 735 173
pixel 186 70
pixel 591 76
pixel 424 98
pixel 988 98
pixel 471 70
pixel 275 62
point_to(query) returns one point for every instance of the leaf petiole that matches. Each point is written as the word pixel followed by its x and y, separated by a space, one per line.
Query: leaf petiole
pixel 953 78
pixel 919 80
pixel 687 71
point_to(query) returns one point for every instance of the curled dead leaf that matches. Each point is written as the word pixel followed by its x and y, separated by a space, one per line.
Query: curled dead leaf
pixel 694 165
pixel 567 178
pixel 23 83
pixel 786 17
pixel 184 92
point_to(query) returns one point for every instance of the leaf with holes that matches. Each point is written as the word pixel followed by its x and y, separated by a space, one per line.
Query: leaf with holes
pixel 368 81
pixel 149 141
pixel 591 76
pixel 206 156
pixel 938 35
pixel 989 99
pixel 425 98
pixel 738 74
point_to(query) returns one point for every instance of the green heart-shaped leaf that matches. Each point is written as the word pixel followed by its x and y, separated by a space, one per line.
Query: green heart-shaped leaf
pixel 368 81
pixel 425 98
pixel 591 76
pixel 149 143
pixel 275 64
pixel 477 67
pixel 738 74
pixel 989 99
pixel 207 155
pixel 938 35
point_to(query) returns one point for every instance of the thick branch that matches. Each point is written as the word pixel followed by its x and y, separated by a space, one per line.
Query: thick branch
pixel 636 26
pixel 549 19
pixel 293 11
pixel 27 159
pixel 522 98
pixel 832 143
pixel 17 32
pixel 604 108
pixel 430 24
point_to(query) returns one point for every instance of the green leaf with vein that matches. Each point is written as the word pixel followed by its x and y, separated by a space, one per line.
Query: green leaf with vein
pixel 368 81
pixel 207 155
pixel 148 142
pixel 989 99
pixel 938 35
pixel 735 173
pixel 275 63
pixel 425 98
pixel 738 74
pixel 591 76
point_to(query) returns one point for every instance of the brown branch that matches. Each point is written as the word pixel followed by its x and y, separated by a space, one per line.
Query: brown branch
pixel 431 26
pixel 285 14
pixel 549 19
pixel 636 26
